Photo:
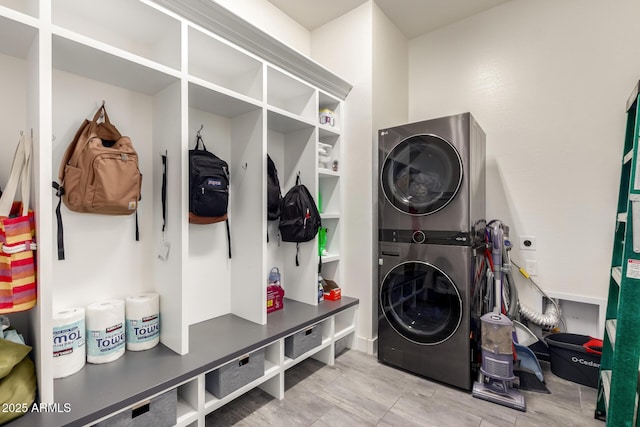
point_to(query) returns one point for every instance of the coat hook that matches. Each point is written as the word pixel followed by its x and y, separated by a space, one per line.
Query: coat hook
pixel 102 110
pixel 200 130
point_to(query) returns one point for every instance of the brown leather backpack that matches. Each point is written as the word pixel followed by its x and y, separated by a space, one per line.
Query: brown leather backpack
pixel 98 173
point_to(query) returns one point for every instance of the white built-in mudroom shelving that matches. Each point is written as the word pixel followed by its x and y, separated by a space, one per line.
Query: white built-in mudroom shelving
pixel 165 70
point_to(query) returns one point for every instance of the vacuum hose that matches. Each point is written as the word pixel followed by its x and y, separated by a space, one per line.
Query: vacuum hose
pixel 549 319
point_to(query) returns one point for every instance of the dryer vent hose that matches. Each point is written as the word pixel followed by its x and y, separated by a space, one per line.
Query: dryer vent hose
pixel 549 319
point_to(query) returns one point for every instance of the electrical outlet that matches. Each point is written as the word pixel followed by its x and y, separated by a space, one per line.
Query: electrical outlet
pixel 532 267
pixel 528 243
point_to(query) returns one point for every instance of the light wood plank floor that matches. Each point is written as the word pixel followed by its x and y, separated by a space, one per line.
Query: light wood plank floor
pixel 359 391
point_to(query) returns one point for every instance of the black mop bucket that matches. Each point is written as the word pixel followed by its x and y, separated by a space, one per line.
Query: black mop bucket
pixel 575 357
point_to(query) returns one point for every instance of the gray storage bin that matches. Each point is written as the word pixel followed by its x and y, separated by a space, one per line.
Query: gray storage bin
pixel 303 341
pixel 158 412
pixel 233 375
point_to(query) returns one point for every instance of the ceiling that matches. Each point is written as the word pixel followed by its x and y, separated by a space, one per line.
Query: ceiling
pixel 412 17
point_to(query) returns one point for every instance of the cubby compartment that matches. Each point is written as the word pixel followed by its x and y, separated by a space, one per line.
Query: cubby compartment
pixel 309 342
pixel 28 7
pixel 287 93
pixel 19 111
pixel 331 269
pixel 243 373
pixel 235 374
pixel 17 63
pixel 332 244
pixel 87 61
pixel 303 341
pixel 143 104
pixel 131 26
pixel 224 65
pixel 74 99
pixel 329 188
pixel 291 145
pixel 334 106
pixel 329 153
pixel 187 404
pixel 17 39
pixel 215 284
pixel 345 322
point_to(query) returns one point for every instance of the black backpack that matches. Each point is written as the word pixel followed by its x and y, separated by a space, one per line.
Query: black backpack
pixel 299 218
pixel 208 187
pixel 274 196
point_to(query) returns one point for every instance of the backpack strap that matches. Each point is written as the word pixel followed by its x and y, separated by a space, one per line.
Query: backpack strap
pixel 164 191
pixel 228 237
pixel 59 192
pixel 137 228
pixel 59 187
pixel 199 141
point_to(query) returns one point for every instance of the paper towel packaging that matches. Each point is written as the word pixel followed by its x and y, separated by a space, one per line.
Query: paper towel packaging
pixel 142 314
pixel 69 350
pixel 105 331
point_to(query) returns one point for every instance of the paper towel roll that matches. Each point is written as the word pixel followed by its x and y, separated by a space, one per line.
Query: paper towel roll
pixel 69 351
pixel 143 321
pixel 105 331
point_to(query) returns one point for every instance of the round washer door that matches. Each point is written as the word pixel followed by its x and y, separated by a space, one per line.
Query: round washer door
pixel 421 175
pixel 421 302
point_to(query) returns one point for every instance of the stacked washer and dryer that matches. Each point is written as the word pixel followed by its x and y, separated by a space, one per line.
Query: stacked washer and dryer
pixel 431 225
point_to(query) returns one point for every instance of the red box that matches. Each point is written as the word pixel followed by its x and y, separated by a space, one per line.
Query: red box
pixel 333 294
pixel 332 291
pixel 275 298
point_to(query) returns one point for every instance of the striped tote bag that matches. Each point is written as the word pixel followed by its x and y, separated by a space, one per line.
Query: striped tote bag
pixel 17 236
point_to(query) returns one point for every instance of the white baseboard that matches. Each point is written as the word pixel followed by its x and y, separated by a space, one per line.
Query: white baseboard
pixel 369 346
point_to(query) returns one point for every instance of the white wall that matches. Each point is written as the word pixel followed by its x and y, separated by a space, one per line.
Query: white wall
pixel 390 74
pixel 390 100
pixel 12 87
pixel 373 56
pixel 547 81
pixel 351 59
pixel 272 21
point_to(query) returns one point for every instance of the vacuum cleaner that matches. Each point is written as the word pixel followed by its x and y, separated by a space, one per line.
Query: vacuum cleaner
pixel 495 383
pixel 496 374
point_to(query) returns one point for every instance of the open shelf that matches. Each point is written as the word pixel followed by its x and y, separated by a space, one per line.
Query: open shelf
pixel 27 7
pixel 326 101
pixel 290 94
pixel 329 187
pixel 98 64
pixel 224 65
pixel 16 38
pixel 155 37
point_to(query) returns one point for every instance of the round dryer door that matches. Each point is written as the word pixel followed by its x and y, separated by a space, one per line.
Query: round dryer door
pixel 421 302
pixel 421 174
